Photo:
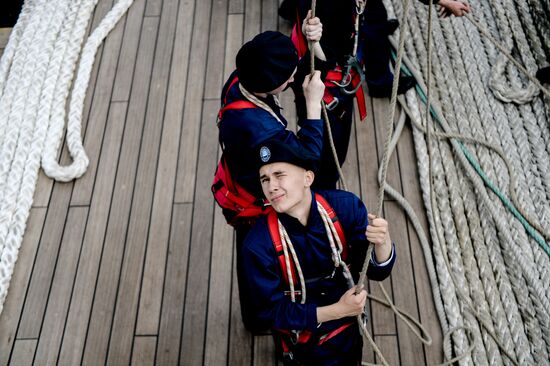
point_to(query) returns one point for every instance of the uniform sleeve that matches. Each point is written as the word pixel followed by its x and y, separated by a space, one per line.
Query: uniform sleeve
pixel 358 244
pixel 272 308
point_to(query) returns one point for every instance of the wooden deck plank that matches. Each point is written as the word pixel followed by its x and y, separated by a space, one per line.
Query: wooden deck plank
pixel 219 297
pixel 153 8
pixel 236 6
pixel 98 114
pixel 72 348
pixel 390 350
pixel 13 306
pixel 51 333
pixel 350 167
pixel 264 351
pixel 192 118
pixel 216 49
pixel 424 295
pixel 166 174
pixel 381 114
pixel 46 259
pixel 367 158
pixel 269 15
pixel 4 38
pixel 129 52
pixel 404 286
pixel 124 319
pixel 110 251
pixel 170 329
pixel 252 19
pixel 144 351
pixel 151 289
pixel 23 352
pixel 196 301
pixel 235 24
pixel 240 340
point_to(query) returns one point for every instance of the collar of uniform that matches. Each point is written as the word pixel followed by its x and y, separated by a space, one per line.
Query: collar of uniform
pixel 314 220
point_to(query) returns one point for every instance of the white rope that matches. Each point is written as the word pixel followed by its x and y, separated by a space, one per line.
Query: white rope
pixel 36 73
pixel 502 273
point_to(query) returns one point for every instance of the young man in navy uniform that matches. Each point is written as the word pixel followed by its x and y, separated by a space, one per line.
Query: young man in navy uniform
pixel 312 315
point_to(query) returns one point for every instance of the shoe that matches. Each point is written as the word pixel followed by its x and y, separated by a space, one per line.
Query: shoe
pixel 544 75
pixel 405 83
pixel 391 26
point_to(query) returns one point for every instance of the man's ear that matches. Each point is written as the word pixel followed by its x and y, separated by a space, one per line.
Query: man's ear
pixel 309 177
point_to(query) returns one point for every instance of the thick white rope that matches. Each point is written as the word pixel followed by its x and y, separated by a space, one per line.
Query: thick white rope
pixel 36 74
pixel 502 267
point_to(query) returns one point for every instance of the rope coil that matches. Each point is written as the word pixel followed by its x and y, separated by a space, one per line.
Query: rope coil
pixel 36 73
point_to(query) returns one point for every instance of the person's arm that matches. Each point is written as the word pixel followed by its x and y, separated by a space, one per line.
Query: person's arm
pixel 349 304
pixel 359 233
pixel 378 234
pixel 312 28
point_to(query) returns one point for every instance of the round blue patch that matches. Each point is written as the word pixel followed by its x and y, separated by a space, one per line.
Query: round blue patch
pixel 265 154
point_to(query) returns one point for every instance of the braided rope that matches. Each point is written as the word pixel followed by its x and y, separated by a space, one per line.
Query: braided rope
pixel 36 73
pixel 499 267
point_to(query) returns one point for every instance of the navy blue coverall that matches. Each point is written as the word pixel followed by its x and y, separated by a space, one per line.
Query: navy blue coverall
pixel 325 285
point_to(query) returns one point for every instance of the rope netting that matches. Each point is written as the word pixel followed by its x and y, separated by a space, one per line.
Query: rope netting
pixel 47 45
pixel 485 175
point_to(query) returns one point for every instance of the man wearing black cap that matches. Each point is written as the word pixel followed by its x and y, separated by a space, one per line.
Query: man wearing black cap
pixel 312 315
pixel 265 66
pixel 251 115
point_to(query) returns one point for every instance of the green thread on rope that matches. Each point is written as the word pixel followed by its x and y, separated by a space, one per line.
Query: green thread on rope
pixel 488 182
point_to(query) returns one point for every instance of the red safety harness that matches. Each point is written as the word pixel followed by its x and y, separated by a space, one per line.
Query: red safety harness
pixel 239 205
pixel 334 77
pixel 288 337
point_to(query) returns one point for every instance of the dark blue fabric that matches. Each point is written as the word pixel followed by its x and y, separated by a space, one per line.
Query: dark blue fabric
pixel 263 276
pixel 242 131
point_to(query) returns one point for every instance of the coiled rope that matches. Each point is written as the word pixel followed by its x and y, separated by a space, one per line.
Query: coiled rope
pixel 36 73
pixel 484 259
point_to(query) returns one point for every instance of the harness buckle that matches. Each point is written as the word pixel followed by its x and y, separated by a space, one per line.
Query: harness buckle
pixel 333 104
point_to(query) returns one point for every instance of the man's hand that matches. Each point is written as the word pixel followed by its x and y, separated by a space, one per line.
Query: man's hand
pixel 314 89
pixel 453 7
pixel 349 304
pixel 378 234
pixel 312 28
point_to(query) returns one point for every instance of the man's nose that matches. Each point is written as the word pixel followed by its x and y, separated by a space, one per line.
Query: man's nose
pixel 273 186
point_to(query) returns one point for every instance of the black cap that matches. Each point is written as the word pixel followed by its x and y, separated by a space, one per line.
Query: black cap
pixel 276 151
pixel 266 62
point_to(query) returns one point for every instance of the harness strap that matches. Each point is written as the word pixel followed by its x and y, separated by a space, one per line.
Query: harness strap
pixel 333 333
pixel 273 225
pixel 298 38
pixel 239 104
pixel 335 76
pixel 337 225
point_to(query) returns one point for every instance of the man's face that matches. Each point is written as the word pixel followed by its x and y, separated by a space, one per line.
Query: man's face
pixel 285 85
pixel 285 185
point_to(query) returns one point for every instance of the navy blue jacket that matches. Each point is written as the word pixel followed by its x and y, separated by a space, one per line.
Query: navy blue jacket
pixel 265 284
pixel 242 131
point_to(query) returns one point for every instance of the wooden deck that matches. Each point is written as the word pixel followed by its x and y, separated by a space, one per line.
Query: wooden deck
pixel 133 263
